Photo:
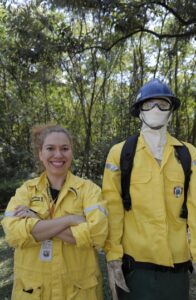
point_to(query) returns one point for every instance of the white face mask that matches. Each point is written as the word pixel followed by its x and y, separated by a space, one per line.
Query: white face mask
pixel 155 118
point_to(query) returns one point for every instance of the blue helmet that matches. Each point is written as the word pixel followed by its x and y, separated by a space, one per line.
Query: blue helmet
pixel 153 89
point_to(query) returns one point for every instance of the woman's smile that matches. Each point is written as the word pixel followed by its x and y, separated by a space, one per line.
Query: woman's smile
pixel 57 164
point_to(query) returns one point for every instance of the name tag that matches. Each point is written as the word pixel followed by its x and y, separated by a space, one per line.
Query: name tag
pixel 46 251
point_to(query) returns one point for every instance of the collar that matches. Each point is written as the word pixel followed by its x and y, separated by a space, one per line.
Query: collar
pixel 141 143
pixel 172 141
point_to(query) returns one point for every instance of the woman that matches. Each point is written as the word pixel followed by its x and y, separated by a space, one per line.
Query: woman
pixel 55 223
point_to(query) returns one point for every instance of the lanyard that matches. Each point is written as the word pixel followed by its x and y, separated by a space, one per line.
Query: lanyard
pixel 52 201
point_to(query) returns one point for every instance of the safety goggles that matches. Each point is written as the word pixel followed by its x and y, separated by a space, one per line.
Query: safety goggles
pixel 162 104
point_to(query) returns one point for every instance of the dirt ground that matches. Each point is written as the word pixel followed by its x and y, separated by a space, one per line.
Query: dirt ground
pixel 193 287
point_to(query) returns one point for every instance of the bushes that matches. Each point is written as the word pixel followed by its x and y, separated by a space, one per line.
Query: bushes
pixel 7 190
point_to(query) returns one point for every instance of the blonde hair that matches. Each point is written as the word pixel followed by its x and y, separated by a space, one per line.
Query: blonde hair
pixel 39 134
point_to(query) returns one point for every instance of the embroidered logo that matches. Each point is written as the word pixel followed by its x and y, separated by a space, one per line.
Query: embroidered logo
pixel 178 191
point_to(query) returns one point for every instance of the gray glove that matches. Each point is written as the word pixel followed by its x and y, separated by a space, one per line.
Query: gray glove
pixel 116 277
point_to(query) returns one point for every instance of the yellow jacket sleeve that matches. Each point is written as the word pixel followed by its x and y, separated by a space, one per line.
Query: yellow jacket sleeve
pixel 17 230
pixel 191 203
pixel 112 196
pixel 94 231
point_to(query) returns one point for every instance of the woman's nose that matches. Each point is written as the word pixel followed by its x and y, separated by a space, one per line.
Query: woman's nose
pixel 58 153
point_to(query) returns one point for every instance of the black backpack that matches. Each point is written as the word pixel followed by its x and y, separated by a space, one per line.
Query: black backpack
pixel 126 165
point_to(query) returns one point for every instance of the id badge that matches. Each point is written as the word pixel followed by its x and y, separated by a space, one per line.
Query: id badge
pixel 46 251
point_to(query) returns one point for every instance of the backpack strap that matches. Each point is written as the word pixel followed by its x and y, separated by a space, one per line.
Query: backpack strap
pixel 126 165
pixel 183 155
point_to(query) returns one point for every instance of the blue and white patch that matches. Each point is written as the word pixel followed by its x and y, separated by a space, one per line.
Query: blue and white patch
pixel 178 190
pixel 111 167
pixel 9 214
pixel 194 162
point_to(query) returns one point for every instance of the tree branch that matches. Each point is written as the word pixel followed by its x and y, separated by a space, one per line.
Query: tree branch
pixel 160 36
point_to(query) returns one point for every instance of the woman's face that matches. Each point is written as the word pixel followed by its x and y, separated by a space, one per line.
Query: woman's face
pixel 56 154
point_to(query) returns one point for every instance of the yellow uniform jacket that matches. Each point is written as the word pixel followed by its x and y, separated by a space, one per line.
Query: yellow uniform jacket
pixel 152 231
pixel 73 272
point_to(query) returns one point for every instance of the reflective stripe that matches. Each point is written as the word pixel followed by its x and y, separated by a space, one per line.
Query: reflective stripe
pixel 9 214
pixel 90 208
pixel 111 167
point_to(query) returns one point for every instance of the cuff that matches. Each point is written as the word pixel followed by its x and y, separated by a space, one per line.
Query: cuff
pixel 82 235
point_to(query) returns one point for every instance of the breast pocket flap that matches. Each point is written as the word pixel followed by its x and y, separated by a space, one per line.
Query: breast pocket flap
pixel 175 176
pixel 140 177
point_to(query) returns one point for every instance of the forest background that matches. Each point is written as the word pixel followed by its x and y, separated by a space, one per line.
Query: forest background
pixel 80 64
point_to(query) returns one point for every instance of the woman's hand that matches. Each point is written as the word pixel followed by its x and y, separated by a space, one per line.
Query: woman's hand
pixel 23 211
pixel 66 234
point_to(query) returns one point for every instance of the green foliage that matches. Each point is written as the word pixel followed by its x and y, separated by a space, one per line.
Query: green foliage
pixel 7 190
pixel 80 64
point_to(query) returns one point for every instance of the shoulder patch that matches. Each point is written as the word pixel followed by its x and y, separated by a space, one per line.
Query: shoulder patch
pixel 194 162
pixel 111 167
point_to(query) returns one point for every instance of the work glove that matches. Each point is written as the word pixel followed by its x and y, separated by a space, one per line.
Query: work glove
pixel 116 277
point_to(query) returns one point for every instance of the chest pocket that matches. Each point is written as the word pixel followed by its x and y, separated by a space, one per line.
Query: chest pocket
pixel 140 177
pixel 40 206
pixel 174 176
pixel 73 203
pixel 140 189
pixel 174 184
pixel 174 197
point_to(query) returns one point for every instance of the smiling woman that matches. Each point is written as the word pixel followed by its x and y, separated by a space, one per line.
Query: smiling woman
pixel 56 222
pixel 56 155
